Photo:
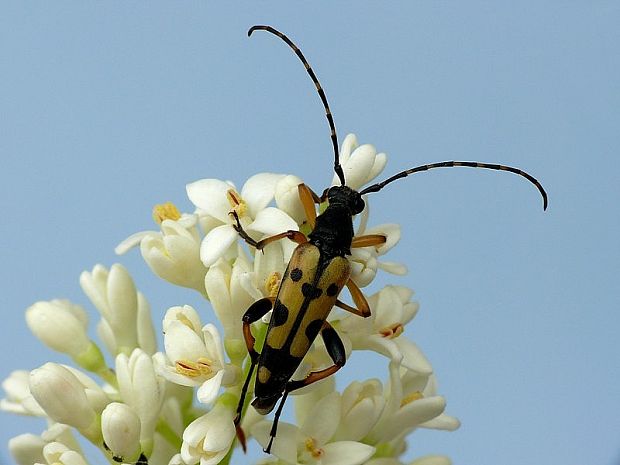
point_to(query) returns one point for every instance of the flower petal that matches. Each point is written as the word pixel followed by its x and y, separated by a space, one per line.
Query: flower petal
pixel 210 196
pixel 346 453
pixel 216 243
pixel 209 390
pixel 259 190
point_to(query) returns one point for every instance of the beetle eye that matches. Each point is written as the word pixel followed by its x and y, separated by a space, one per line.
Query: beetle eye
pixel 359 205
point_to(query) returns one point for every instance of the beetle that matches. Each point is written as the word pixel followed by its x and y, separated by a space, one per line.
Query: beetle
pixel 316 273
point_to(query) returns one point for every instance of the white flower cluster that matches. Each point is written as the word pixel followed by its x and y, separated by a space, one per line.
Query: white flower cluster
pixel 142 408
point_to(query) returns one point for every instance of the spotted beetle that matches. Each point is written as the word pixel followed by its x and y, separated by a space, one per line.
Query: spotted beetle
pixel 316 273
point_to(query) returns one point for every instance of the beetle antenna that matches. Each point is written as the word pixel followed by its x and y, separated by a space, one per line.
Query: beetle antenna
pixel 328 113
pixel 449 164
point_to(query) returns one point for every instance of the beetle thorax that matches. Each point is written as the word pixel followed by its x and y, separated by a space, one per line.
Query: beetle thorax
pixel 333 232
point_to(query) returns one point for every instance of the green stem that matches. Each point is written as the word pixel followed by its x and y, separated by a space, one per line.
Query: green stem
pixel 168 434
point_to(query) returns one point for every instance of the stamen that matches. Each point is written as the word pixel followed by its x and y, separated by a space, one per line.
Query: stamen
pixel 415 395
pixel 165 211
pixel 273 284
pixel 236 202
pixel 393 331
pixel 202 367
pixel 311 446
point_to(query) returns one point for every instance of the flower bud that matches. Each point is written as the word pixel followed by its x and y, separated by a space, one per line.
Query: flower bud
pixel 142 390
pixel 59 454
pixel 175 255
pixel 60 325
pixel 208 438
pixel 121 431
pixel 27 449
pixel 63 397
pixel 18 399
pixel 115 296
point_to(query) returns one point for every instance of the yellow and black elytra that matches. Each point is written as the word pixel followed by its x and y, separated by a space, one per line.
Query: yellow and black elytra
pixel 317 272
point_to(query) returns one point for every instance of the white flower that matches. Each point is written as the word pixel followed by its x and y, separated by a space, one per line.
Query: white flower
pixel 215 199
pixel 126 321
pixel 311 443
pixel 18 397
pixel 226 285
pixel 391 309
pixel 362 405
pixel 121 431
pixel 432 460
pixel 143 390
pixel 56 453
pixel 195 358
pixel 172 254
pixel 67 398
pixel 361 164
pixel 208 438
pixel 27 449
pixel 365 260
pixel 412 402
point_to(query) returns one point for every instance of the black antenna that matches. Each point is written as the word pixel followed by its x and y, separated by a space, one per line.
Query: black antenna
pixel 328 113
pixel 449 164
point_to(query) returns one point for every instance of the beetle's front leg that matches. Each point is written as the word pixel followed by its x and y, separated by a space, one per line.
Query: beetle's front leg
pixel 295 236
pixel 335 349
pixel 254 313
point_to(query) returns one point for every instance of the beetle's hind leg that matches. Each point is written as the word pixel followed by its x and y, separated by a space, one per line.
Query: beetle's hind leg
pixel 362 308
pixel 254 313
pixel 335 349
pixel 295 236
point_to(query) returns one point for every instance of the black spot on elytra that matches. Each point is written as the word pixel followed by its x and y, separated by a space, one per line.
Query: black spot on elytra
pixel 280 314
pixel 310 291
pixel 332 290
pixel 296 274
pixel 313 329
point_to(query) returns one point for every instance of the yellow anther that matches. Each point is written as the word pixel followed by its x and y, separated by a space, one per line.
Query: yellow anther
pixel 393 331
pixel 201 367
pixel 273 284
pixel 311 446
pixel 165 211
pixel 415 395
pixel 204 364
pixel 187 368
pixel 236 202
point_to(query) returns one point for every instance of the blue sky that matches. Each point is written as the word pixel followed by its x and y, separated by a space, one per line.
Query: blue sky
pixel 109 108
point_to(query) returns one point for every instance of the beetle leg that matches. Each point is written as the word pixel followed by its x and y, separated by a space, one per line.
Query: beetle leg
pixel 254 313
pixel 308 199
pixel 361 304
pixel 335 349
pixel 295 236
pixel 368 240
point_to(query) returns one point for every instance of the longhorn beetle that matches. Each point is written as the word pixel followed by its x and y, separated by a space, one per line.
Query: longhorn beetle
pixel 314 277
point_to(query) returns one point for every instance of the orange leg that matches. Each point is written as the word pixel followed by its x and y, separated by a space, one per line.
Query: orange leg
pixel 368 240
pixel 295 236
pixel 308 199
pixel 361 304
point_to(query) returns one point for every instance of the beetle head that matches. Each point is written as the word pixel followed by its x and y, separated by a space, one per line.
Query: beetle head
pixel 347 197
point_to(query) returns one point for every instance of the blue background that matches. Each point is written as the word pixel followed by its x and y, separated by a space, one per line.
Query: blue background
pixel 108 108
